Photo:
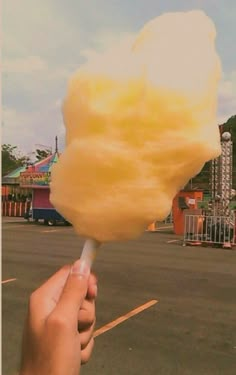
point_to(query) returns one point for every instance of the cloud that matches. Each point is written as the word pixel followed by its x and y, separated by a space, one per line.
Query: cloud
pixel 16 128
pixel 42 30
pixel 227 97
pixel 31 84
pixel 58 104
pixel 44 44
pixel 25 129
pixel 30 64
pixel 106 41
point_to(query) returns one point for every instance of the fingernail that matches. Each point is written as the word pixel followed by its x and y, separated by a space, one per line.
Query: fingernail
pixel 80 268
pixel 95 290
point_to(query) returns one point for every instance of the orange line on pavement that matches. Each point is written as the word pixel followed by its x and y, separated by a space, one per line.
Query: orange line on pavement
pixel 122 318
pixel 7 281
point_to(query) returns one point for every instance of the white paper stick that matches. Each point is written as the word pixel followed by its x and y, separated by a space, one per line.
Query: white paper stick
pixel 89 252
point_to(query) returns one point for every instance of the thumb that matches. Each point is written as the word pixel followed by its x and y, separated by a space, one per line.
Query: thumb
pixel 74 291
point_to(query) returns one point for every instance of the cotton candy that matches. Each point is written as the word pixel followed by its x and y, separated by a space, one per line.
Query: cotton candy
pixel 140 122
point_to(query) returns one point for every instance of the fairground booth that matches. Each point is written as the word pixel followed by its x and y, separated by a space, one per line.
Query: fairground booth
pixel 37 177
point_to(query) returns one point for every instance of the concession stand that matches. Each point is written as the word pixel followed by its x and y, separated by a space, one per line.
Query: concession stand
pixel 37 177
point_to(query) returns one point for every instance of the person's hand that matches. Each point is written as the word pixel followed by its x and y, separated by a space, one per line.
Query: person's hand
pixel 58 333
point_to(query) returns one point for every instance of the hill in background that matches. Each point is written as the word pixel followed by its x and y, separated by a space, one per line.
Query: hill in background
pixel 202 180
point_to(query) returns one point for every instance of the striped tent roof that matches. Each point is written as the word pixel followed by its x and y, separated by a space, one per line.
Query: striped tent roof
pixel 16 173
pixel 37 175
pixel 44 165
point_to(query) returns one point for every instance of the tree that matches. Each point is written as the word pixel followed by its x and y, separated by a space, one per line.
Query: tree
pixel 12 159
pixel 202 180
pixel 42 154
pixel 230 126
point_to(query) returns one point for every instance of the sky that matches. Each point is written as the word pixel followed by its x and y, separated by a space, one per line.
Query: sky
pixel 45 41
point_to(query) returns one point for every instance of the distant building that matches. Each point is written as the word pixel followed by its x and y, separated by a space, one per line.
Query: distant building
pixel 11 189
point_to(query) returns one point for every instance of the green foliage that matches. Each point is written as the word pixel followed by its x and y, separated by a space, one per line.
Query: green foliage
pixel 11 159
pixel 202 179
pixel 42 154
pixel 230 126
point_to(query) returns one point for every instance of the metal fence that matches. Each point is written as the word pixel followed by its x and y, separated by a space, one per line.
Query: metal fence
pixel 17 209
pixel 211 230
pixel 169 218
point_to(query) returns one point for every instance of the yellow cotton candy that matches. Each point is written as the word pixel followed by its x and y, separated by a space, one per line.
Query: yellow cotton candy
pixel 140 122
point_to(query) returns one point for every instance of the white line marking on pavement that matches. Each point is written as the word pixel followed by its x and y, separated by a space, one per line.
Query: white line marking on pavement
pixel 9 226
pixel 167 227
pixel 50 231
pixel 170 241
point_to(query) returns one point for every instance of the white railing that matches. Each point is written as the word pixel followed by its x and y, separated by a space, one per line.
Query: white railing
pixel 217 230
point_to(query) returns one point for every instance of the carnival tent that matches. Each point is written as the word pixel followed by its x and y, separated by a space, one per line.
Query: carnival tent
pixel 39 173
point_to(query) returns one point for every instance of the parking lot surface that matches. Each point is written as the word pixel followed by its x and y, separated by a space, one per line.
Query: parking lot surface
pixel 191 329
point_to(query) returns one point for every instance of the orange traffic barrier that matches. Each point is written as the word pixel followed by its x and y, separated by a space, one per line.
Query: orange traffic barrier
pixel 183 201
pixel 152 227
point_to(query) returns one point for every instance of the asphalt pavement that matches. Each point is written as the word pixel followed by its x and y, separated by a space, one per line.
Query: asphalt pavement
pixel 190 330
